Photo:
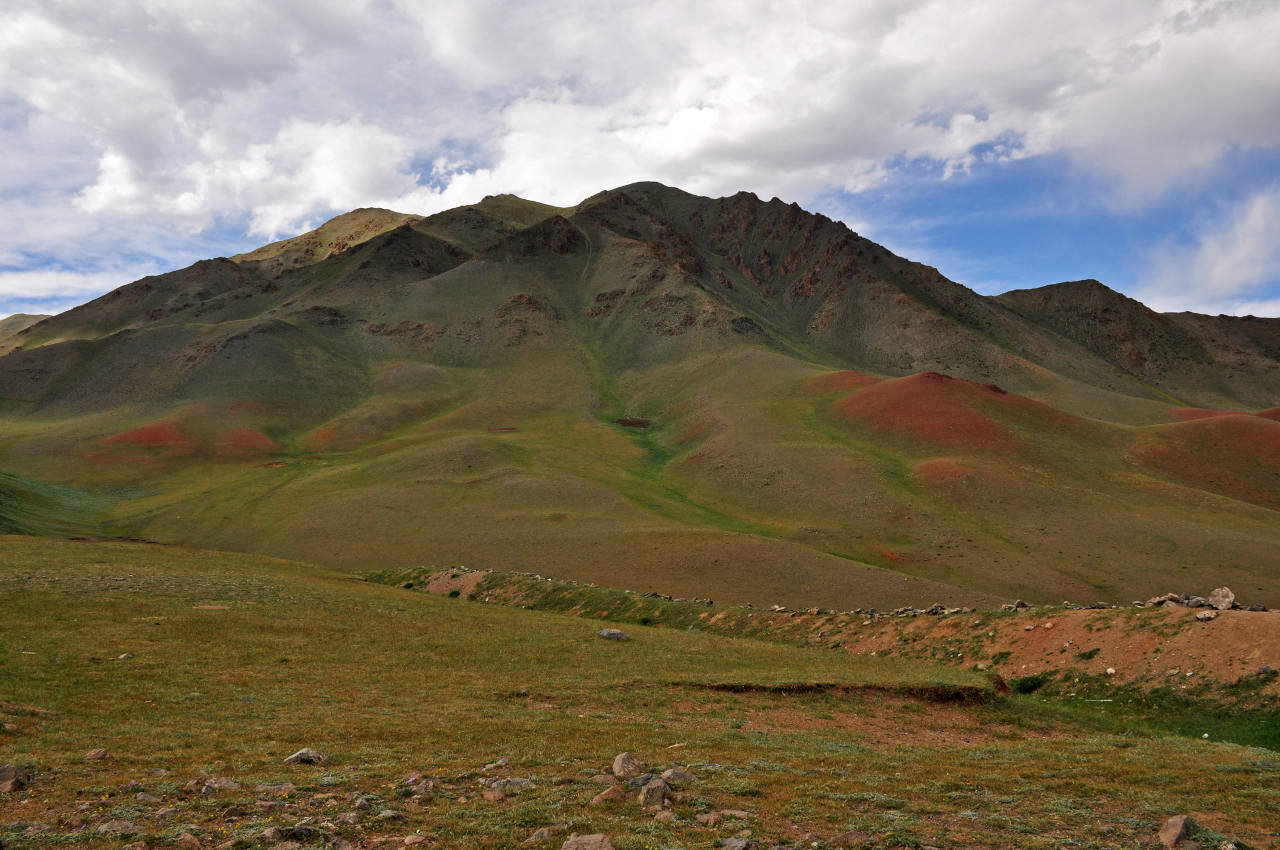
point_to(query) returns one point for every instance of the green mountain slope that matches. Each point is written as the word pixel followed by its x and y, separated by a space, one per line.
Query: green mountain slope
pixel 715 397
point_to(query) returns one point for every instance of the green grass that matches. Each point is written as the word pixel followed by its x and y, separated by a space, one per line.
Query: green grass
pixel 239 660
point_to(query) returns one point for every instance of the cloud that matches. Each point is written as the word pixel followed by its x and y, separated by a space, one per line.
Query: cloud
pixel 185 113
pixel 1231 262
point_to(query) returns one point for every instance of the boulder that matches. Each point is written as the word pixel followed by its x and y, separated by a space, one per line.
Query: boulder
pixel 1222 598
pixel 625 766
pixel 306 755
pixel 391 816
pixel 1206 616
pixel 98 754
pixel 614 634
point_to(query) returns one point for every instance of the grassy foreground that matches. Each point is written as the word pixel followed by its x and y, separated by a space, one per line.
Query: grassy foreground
pixel 237 661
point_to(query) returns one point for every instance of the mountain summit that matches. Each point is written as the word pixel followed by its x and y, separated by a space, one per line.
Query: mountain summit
pixel 728 397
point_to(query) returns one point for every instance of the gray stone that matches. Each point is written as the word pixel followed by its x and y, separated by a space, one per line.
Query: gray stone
pixel 98 754
pixel 306 755
pixel 272 833
pixel 391 816
pixel 116 827
pixel 678 777
pixel 144 797
pixel 654 794
pixel 1175 829
pixel 641 780
pixel 509 786
pixel 626 766
pixel 219 783
pixel 709 819
pixel 545 833
pixel 614 634
pixel 1206 616
pixel 1222 598
pixel 739 843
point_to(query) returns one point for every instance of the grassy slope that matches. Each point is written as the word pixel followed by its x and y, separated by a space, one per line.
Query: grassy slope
pixel 239 660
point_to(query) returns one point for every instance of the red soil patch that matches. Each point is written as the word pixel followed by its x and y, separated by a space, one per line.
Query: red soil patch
pixel 164 435
pixel 1237 456
pixel 1188 414
pixel 837 382
pixel 933 408
pixel 942 471
pixel 242 441
pixel 321 439
pixel 1273 414
pixel 693 432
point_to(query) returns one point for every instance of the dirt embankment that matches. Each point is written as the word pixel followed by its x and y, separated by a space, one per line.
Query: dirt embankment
pixel 1152 646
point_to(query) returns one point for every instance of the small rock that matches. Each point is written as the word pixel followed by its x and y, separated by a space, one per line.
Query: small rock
pixel 188 841
pixel 219 783
pixel 348 818
pixel 739 843
pixel 306 755
pixel 608 795
pixel 124 656
pixel 144 797
pixel 137 845
pixel 736 813
pixel 283 789
pixel 391 816
pixel 1175 829
pixel 493 765
pixel 641 780
pixel 12 778
pixel 509 786
pixel 339 844
pixel 1206 616
pixel 545 833
pixel 654 794
pixel 678 777
pixel 413 840
pixel 233 812
pixel 116 827
pixel 665 816
pixel 604 778
pixel 709 819
pixel 852 838
pixel 614 634
pixel 272 833
pixel 1111 671
pixel 1222 598
pixel 363 805
pixel 303 830
pixel 165 813
pixel 493 795
pixel 626 766
pixel 98 754
pixel 598 841
pixel 1197 602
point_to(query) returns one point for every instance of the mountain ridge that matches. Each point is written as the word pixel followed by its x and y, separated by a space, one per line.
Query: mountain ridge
pixel 729 394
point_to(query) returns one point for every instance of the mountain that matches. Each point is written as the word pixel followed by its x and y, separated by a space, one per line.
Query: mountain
pixel 728 398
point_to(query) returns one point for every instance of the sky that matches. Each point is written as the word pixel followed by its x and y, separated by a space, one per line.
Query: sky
pixel 1009 144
